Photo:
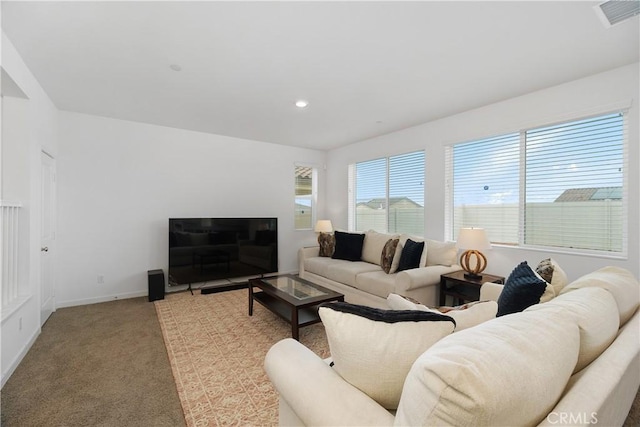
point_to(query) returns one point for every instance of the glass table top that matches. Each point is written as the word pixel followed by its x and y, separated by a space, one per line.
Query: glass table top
pixel 293 287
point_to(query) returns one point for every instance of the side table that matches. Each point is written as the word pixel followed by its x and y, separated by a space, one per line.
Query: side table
pixel 462 289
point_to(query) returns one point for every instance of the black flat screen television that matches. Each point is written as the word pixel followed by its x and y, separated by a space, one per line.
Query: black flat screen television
pixel 209 249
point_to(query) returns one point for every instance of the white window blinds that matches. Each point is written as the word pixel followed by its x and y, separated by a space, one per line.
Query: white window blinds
pixel 560 186
pixel 371 195
pixel 304 197
pixel 486 187
pixel 389 194
pixel 406 194
pixel 574 184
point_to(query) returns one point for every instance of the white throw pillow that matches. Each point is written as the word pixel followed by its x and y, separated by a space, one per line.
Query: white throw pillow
pixel 373 244
pixel 475 313
pixel 440 253
pixel 466 316
pixel 549 267
pixel 398 302
pixel 549 292
pixel 373 349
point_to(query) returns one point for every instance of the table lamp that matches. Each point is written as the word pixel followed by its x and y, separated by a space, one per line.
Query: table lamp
pixel 472 240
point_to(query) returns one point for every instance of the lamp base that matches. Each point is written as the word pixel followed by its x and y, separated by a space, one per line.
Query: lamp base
pixel 472 273
pixel 472 276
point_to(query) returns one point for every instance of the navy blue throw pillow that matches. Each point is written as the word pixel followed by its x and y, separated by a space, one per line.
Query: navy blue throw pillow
pixel 348 246
pixel 410 255
pixel 522 289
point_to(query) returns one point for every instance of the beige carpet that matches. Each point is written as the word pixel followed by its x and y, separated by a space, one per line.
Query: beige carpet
pixel 95 365
pixel 217 351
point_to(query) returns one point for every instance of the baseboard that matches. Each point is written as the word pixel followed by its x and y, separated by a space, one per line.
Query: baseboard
pixel 106 298
pixel 16 361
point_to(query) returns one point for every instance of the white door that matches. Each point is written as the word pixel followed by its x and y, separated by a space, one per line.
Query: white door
pixel 48 236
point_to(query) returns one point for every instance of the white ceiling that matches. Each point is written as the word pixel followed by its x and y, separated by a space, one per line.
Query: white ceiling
pixel 366 68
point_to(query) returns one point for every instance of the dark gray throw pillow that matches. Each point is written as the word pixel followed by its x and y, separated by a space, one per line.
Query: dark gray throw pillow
pixel 411 254
pixel 522 289
pixel 348 246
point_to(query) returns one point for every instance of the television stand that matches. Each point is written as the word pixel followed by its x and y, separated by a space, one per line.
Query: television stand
pixel 223 288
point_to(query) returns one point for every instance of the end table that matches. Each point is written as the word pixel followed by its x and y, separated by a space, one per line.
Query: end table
pixel 462 289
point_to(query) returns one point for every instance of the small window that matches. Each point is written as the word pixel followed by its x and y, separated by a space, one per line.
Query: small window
pixel 305 195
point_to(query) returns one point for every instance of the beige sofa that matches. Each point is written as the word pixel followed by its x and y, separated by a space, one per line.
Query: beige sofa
pixel 364 282
pixel 574 360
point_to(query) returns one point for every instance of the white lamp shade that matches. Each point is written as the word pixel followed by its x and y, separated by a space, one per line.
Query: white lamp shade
pixel 324 226
pixel 473 238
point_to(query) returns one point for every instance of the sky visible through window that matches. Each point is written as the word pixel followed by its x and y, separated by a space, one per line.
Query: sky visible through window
pixel 581 154
pixel 406 178
pixel 586 153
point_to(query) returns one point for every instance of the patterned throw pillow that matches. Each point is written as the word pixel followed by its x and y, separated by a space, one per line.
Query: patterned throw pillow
pixel 327 244
pixel 545 270
pixel 388 252
pixel 551 272
pixel 446 309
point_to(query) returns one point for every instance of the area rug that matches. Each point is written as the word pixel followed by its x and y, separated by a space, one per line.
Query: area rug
pixel 217 353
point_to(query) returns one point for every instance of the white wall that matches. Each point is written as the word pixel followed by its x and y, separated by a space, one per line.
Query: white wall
pixel 590 95
pixel 21 323
pixel 119 182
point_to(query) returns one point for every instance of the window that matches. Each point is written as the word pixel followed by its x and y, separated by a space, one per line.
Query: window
pixel 305 194
pixel 387 195
pixel 486 187
pixel 558 186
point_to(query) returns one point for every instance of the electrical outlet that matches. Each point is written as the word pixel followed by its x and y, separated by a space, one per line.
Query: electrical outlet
pixel 100 279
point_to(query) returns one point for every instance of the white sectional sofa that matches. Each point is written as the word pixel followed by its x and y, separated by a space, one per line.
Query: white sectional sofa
pixel 365 282
pixel 574 360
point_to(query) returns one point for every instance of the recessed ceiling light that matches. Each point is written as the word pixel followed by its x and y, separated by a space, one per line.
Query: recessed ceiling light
pixel 175 67
pixel 301 103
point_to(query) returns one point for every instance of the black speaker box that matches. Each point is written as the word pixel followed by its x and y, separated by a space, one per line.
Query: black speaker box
pixel 156 284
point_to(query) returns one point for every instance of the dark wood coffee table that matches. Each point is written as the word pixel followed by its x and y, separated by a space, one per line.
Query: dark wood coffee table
pixel 294 299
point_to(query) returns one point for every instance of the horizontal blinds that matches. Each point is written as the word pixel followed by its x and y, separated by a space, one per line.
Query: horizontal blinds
pixel 389 194
pixel 406 193
pixel 371 195
pixel 574 184
pixel 303 213
pixel 486 187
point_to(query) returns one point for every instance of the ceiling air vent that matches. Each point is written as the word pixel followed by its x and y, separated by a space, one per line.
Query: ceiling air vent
pixel 615 11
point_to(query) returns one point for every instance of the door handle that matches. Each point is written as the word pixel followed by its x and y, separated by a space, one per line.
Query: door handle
pixel 45 249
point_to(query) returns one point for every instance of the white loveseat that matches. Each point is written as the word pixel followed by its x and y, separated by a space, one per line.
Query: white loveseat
pixel 364 282
pixel 574 360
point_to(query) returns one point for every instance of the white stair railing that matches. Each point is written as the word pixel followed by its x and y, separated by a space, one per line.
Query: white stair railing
pixel 9 239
